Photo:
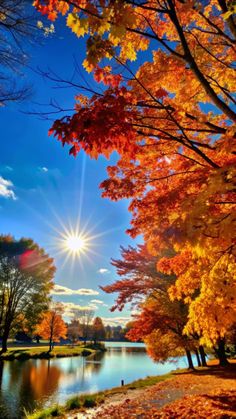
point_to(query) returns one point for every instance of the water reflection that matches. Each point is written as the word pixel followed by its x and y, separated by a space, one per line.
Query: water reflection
pixel 26 385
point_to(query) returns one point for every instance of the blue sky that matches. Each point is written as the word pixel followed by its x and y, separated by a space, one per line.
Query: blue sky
pixel 43 190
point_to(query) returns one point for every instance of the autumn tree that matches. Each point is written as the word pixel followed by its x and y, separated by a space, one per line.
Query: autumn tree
pixel 52 326
pixel 147 289
pixel 74 330
pixel 171 120
pixel 85 318
pixel 98 330
pixel 26 274
pixel 160 325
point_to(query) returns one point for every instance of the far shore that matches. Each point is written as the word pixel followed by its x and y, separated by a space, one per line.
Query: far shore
pixel 25 352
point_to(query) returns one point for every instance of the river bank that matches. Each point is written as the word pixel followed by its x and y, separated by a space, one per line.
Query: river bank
pixel 206 392
pixel 42 352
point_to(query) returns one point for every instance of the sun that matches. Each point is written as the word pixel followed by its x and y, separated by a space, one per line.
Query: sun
pixel 75 243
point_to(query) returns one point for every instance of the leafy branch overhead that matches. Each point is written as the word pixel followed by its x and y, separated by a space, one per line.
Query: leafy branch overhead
pixel 171 119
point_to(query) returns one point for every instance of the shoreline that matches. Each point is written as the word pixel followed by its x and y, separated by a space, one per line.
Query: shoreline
pixel 42 352
pixel 174 386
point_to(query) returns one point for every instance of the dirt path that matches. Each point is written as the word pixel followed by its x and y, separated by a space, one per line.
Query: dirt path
pixel 201 394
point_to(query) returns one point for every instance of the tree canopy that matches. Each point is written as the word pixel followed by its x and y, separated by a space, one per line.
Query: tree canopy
pixel 171 120
pixel 52 326
pixel 26 275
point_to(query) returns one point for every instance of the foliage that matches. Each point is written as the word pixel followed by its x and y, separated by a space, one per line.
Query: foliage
pixel 26 274
pixel 74 330
pixel 52 327
pixel 160 322
pixel 85 318
pixel 73 403
pixel 140 278
pixel 170 119
pixel 98 330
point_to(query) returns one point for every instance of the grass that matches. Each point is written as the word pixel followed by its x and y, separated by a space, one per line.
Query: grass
pixel 92 400
pixel 50 412
pixel 23 353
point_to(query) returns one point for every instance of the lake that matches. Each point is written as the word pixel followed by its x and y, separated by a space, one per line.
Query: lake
pixel 35 383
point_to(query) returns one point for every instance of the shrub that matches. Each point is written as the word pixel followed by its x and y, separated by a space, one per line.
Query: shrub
pixel 73 403
pixel 89 401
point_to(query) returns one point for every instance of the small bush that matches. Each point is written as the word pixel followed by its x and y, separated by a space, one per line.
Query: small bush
pixel 56 411
pixel 73 403
pixel 98 346
pixel 85 352
pixel 89 401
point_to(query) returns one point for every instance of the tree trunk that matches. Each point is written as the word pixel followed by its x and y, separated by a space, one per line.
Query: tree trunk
pixel 189 358
pixel 198 358
pixel 50 345
pixel 221 353
pixel 5 336
pixel 4 345
pixel 202 355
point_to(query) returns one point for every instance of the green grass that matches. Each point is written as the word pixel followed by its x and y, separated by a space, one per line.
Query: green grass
pixel 50 412
pixel 92 400
pixel 23 353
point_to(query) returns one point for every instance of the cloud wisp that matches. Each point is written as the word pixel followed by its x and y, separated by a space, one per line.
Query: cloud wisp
pixel 100 302
pixel 116 321
pixel 74 310
pixel 97 301
pixel 6 189
pixel 61 290
pixel 103 271
pixel 43 169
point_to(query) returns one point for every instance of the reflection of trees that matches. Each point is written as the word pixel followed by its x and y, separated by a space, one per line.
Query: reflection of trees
pixel 93 365
pixel 39 380
pixel 3 408
pixel 29 382
pixel 1 372
pixel 43 378
pixel 136 350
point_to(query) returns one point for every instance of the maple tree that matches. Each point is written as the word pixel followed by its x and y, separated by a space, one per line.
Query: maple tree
pixel 160 322
pixel 52 326
pixel 172 123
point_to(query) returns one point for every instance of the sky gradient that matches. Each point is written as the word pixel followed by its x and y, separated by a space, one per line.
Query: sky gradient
pixel 44 191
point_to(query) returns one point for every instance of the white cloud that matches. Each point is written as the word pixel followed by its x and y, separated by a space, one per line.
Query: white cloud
pixel 71 309
pixel 103 271
pixel 44 169
pixel 61 290
pixel 93 307
pixel 6 189
pixel 116 321
pixel 97 301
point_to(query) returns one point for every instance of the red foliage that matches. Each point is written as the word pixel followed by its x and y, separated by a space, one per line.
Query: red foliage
pixel 101 127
